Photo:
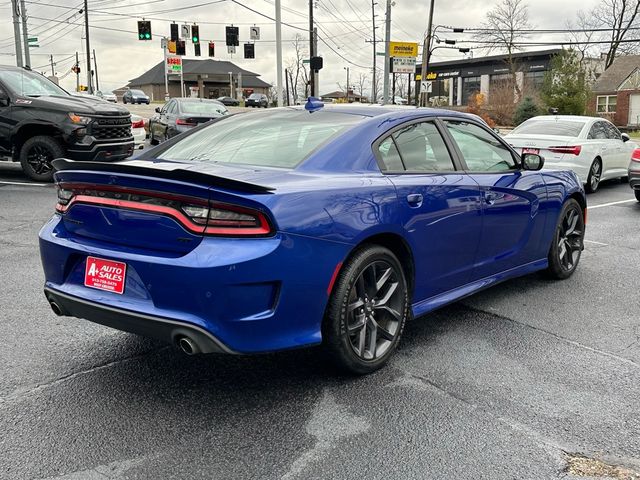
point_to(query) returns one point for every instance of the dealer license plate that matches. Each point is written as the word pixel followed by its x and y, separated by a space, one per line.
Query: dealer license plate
pixel 535 151
pixel 105 274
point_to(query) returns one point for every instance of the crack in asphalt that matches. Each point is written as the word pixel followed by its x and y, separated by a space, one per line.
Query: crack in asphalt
pixel 555 335
pixel 21 392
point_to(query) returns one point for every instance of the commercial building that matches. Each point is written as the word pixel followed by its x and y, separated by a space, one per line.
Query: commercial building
pixel 616 94
pixel 206 78
pixel 456 81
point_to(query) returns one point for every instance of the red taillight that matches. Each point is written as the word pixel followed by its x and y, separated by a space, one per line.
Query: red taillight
pixel 185 121
pixel 635 156
pixel 573 150
pixel 138 124
pixel 195 214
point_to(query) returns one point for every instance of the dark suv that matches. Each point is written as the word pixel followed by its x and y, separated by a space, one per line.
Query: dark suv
pixel 40 122
pixel 135 96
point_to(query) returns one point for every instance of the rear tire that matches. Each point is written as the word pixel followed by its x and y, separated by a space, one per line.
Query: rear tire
pixel 595 174
pixel 36 156
pixel 152 139
pixel 568 241
pixel 367 311
pixel 637 193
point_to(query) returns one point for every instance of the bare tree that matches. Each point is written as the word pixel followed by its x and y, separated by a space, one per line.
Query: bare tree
pixel 505 25
pixel 299 74
pixel 361 84
pixel 618 17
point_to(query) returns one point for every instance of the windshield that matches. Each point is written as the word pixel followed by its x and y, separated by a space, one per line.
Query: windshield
pixel 29 84
pixel 274 139
pixel 137 92
pixel 550 126
pixel 202 107
pixel 255 96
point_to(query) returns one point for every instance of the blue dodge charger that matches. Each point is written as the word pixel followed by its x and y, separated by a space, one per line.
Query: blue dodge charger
pixel 301 226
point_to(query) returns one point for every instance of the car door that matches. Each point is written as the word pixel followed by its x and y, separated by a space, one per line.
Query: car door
pixel 513 220
pixel 621 154
pixel 171 116
pixel 438 205
pixel 599 136
pixel 165 119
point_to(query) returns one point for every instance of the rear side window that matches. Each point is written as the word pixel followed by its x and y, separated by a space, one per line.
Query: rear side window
pixel 482 152
pixel 418 147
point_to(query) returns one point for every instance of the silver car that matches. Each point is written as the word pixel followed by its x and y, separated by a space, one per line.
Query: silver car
pixel 634 172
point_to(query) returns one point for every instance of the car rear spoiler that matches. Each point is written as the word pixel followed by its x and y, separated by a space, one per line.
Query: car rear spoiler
pixel 168 170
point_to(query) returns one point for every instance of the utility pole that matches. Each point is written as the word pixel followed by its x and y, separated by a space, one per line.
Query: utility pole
pixel 88 49
pixel 373 79
pixel 286 82
pixel 387 60
pixel 346 91
pixel 53 73
pixel 77 73
pixel 425 55
pixel 279 52
pixel 312 52
pixel 16 32
pixel 315 73
pixel 25 34
pixel 95 67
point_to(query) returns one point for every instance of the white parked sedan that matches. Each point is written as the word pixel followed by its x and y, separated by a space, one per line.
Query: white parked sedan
pixel 138 131
pixel 590 146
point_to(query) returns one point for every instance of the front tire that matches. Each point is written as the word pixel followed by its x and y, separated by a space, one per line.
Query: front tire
pixel 367 311
pixel 595 174
pixel 36 156
pixel 568 241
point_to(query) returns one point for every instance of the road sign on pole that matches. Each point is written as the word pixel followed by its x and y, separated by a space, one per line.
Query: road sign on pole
pixel 174 64
pixel 254 33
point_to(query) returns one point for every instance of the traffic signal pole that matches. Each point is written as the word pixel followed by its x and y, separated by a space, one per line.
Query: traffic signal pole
pixel 279 52
pixel 426 53
pixel 312 51
pixel 77 73
pixel 16 32
pixel 88 47
pixel 387 60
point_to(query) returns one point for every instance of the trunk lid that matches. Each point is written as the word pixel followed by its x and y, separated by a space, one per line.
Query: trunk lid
pixel 541 143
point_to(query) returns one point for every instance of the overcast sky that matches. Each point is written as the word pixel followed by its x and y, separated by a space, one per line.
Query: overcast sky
pixel 122 57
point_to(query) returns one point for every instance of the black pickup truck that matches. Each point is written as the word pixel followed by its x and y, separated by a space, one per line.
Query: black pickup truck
pixel 39 122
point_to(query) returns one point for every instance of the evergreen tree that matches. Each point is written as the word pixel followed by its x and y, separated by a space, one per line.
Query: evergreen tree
pixel 525 110
pixel 565 86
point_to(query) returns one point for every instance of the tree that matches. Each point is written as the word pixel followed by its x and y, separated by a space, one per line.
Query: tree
pixel 299 74
pixel 507 23
pixel 565 86
pixel 618 18
pixel 525 110
pixel 361 84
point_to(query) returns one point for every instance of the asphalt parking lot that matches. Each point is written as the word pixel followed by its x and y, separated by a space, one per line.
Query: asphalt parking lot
pixel 511 383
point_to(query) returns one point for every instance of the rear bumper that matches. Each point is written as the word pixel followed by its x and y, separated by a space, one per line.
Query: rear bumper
pixel 134 322
pixel 634 179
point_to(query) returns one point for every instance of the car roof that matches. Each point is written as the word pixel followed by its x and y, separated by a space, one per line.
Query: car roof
pixel 568 118
pixel 376 110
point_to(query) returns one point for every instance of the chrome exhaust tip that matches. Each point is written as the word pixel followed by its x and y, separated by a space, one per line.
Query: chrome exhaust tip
pixel 188 346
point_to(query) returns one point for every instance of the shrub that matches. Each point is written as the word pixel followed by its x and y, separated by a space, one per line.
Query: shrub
pixel 525 110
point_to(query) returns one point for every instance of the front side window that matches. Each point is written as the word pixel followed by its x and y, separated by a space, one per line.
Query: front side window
pixel 612 132
pixel 607 103
pixel 272 139
pixel 598 131
pixel 481 151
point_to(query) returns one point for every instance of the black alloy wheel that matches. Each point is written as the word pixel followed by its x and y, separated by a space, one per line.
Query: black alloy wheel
pixel 36 156
pixel 367 311
pixel 595 174
pixel 568 241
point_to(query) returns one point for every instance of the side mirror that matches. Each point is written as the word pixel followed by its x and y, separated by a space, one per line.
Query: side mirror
pixel 4 99
pixel 157 109
pixel 625 137
pixel 532 161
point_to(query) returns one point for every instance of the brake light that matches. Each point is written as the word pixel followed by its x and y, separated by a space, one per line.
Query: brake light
pixel 573 150
pixel 635 156
pixel 185 121
pixel 194 214
pixel 138 124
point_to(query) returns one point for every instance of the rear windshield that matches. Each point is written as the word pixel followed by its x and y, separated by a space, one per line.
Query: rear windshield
pixel 202 107
pixel 281 138
pixel 550 126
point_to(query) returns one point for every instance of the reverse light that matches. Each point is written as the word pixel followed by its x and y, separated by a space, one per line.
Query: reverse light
pixel 79 119
pixel 635 156
pixel 571 150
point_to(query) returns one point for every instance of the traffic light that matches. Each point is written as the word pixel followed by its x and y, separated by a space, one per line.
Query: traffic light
pixel 232 34
pixel 75 69
pixel 212 49
pixel 249 50
pixel 144 30
pixel 315 63
pixel 195 34
pixel 174 32
pixel 180 48
pixel 196 49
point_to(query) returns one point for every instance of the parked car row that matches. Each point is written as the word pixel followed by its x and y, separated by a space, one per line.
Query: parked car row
pixel 179 115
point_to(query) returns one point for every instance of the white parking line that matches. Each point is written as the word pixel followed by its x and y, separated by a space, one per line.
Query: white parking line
pixel 611 203
pixel 597 243
pixel 25 183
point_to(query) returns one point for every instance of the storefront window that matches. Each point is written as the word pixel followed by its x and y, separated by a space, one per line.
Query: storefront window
pixel 439 96
pixel 470 86
pixel 533 81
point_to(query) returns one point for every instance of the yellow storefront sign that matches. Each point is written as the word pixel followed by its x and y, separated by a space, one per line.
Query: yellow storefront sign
pixel 403 49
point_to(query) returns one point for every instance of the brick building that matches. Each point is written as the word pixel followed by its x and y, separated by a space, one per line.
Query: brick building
pixel 616 94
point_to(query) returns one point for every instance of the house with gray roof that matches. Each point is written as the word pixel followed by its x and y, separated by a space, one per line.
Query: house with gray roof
pixel 207 78
pixel 616 93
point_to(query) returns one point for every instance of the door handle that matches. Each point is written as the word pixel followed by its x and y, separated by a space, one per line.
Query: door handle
pixel 414 199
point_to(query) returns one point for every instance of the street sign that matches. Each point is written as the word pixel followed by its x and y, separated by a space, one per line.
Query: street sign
pixel 306 60
pixel 403 65
pixel 32 39
pixel 34 45
pixel 186 31
pixel 254 33
pixel 426 87
pixel 403 49
pixel 174 65
pixel 231 49
pixel 380 54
